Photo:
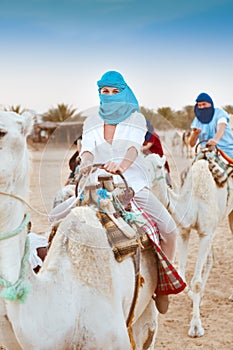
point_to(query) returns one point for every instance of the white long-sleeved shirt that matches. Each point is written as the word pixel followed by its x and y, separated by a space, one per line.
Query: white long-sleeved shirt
pixel 128 133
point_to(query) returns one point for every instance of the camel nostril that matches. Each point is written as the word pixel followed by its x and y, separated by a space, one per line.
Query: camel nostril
pixel 2 133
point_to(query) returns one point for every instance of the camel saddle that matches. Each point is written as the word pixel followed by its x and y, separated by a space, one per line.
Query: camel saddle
pixel 122 246
pixel 220 165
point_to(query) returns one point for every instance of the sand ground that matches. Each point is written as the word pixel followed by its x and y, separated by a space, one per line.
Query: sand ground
pixel 49 170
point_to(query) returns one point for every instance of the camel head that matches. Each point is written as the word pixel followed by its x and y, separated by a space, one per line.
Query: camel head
pixel 157 176
pixel 155 167
pixel 14 129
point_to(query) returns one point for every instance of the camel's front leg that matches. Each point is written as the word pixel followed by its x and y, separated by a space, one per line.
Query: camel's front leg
pixel 7 337
pixel 145 328
pixel 190 152
pixel 182 247
pixel 197 284
pixel 230 220
pixel 207 268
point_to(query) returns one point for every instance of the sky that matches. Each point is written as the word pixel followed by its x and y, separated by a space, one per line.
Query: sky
pixel 54 51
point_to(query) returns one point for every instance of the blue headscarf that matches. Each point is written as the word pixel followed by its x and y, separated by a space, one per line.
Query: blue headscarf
pixel 116 108
pixel 204 115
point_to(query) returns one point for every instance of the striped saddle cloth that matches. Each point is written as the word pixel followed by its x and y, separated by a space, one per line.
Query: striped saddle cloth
pixel 147 237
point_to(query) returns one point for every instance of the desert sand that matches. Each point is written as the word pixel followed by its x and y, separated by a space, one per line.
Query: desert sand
pixel 49 170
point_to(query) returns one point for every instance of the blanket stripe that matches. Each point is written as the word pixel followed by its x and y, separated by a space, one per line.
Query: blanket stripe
pixel 169 280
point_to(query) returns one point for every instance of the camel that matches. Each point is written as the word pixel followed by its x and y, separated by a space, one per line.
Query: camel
pixel 176 139
pixel 200 205
pixel 81 297
pixel 186 148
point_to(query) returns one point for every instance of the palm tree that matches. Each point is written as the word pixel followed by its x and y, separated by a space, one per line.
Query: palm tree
pixel 59 114
pixel 16 109
pixel 228 109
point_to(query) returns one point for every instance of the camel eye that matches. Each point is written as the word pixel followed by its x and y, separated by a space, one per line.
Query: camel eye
pixel 2 133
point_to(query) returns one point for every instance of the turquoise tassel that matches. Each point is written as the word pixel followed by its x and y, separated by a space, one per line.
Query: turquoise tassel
pixel 16 293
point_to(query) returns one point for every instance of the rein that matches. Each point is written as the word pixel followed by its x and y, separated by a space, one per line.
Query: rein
pixel 16 231
pixel 22 201
pixel 16 291
pixel 29 206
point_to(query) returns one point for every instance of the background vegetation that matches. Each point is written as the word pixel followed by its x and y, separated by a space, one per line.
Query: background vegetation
pixel 162 119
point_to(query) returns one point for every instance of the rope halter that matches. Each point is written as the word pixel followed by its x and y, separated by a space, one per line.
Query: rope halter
pixel 16 291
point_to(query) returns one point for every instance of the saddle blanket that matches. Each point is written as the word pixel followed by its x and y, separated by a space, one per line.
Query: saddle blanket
pixel 169 280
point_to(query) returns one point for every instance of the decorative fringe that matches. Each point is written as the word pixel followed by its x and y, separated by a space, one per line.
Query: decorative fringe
pixel 130 216
pixel 103 194
pixel 16 293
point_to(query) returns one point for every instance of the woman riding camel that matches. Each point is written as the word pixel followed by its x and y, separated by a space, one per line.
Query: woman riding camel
pixel 114 137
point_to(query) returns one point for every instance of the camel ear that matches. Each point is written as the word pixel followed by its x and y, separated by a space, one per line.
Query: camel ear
pixel 28 121
pixel 160 160
pixel 163 159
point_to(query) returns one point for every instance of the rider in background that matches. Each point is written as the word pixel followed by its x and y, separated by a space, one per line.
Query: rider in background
pixel 152 144
pixel 212 125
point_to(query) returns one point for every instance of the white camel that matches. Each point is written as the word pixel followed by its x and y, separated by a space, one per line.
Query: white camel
pixel 81 297
pixel 176 139
pixel 200 205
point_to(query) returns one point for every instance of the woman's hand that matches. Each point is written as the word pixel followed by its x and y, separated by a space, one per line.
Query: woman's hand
pixel 85 168
pixel 86 163
pixel 113 168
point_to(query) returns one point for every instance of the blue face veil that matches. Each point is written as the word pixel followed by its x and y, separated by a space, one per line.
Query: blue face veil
pixel 204 115
pixel 116 108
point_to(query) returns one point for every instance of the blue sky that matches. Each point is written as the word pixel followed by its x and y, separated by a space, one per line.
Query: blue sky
pixel 168 51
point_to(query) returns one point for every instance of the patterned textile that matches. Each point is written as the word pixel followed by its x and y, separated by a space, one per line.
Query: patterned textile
pixel 123 247
pixel 220 165
pixel 169 281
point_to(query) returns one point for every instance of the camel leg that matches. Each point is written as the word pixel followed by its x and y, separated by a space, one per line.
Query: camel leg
pixel 7 336
pixel 230 221
pixel 146 327
pixel 187 151
pixel 182 150
pixel 207 269
pixel 182 244
pixel 197 285
pixel 190 152
pixel 100 325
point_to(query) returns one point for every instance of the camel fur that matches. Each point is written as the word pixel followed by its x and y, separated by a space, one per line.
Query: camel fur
pixel 200 205
pixel 81 297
